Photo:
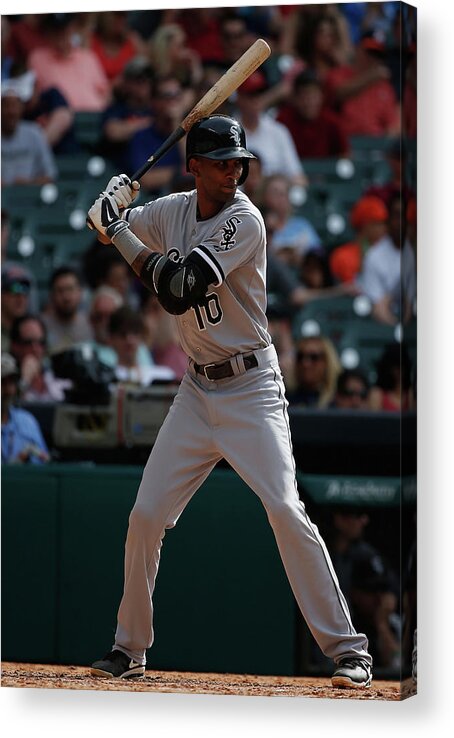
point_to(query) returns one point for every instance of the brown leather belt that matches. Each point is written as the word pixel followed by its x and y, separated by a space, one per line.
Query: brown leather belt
pixel 224 370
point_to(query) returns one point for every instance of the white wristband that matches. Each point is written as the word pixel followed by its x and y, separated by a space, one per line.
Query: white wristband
pixel 128 244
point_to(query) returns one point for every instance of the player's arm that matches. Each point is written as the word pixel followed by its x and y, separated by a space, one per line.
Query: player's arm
pixel 178 286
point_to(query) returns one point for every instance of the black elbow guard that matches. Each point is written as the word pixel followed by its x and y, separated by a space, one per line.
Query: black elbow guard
pixel 178 286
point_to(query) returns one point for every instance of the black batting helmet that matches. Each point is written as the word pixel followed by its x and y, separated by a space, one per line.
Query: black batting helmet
pixel 218 137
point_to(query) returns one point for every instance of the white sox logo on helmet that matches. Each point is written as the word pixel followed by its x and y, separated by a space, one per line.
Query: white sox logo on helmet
pixel 229 232
pixel 235 135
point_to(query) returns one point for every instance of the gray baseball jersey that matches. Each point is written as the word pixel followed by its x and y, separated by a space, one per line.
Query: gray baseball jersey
pixel 232 243
pixel 241 418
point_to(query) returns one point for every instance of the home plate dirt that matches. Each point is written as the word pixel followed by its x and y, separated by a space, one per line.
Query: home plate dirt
pixel 44 676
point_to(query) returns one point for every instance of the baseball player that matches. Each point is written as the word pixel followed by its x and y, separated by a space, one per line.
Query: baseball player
pixel 203 253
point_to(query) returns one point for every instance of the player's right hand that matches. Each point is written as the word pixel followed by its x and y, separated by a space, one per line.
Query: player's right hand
pixel 104 213
pixel 123 190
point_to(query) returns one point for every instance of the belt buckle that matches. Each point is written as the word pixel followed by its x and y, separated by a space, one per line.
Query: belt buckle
pixel 205 367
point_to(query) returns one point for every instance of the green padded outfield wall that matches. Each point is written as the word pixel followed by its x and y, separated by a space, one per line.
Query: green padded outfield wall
pixel 222 600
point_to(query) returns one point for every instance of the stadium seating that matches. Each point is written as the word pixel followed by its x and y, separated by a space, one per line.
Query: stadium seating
pixel 330 317
pixel 87 127
pixel 358 338
pixel 363 343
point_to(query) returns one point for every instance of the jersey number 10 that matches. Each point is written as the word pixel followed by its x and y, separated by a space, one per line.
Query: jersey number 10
pixel 209 311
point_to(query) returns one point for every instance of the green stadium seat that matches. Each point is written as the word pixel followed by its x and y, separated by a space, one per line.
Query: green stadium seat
pixel 370 147
pixel 70 251
pixel 329 169
pixel 18 197
pixel 39 260
pixel 87 126
pixel 72 167
pixel 365 338
pixel 329 317
pixel 345 193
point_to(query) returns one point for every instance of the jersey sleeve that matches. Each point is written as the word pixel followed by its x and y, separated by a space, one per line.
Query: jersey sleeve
pixel 145 222
pixel 234 242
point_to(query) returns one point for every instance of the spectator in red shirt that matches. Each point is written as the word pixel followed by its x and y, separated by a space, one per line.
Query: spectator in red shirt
pixel 362 93
pixel 316 132
pixel 368 218
pixel 114 43
pixel 203 32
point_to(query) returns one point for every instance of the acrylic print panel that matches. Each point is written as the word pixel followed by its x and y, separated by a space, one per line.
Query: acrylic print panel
pixel 343 162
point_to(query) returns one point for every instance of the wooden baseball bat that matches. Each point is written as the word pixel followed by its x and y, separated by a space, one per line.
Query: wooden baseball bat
pixel 221 90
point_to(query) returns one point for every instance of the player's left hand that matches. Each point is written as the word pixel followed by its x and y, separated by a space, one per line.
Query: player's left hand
pixel 123 190
pixel 104 214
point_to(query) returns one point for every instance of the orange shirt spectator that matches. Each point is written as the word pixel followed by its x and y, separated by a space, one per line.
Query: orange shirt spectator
pixel 345 261
pixel 368 218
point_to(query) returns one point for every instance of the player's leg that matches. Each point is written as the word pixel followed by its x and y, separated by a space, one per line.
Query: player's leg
pixel 181 459
pixel 255 439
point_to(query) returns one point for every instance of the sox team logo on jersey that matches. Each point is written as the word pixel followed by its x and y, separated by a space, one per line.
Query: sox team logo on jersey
pixel 229 231
pixel 175 255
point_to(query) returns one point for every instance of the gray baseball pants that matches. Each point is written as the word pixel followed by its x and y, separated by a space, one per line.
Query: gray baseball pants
pixel 244 420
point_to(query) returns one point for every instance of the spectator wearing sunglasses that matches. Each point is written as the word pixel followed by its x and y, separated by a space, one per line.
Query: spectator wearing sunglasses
pixel 16 286
pixel 317 368
pixel 29 348
pixel 352 390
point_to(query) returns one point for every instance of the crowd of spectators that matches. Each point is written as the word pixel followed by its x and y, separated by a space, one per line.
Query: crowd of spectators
pixel 332 75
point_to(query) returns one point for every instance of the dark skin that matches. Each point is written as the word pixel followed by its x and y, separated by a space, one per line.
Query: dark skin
pixel 216 183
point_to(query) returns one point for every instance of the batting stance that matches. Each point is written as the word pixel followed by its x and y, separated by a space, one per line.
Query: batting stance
pixel 203 253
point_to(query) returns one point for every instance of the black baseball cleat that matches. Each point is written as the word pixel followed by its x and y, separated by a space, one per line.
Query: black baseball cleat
pixel 352 673
pixel 116 665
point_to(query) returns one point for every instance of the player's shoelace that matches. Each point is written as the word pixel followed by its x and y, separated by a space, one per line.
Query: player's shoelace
pixel 353 663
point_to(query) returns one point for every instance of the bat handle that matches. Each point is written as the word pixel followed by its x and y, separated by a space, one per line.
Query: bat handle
pixel 177 134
